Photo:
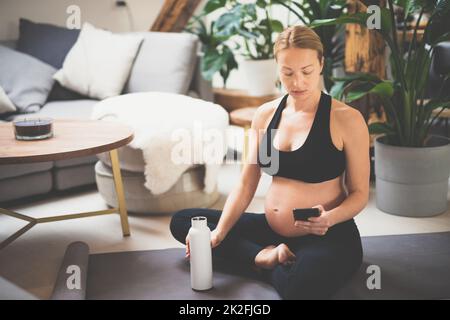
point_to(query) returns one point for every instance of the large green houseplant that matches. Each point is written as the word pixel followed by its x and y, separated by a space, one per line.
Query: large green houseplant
pixel 255 32
pixel 408 115
pixel 410 180
pixel 217 56
pixel 250 23
pixel 238 29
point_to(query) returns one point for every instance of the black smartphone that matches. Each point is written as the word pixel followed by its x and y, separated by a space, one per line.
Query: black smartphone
pixel 303 214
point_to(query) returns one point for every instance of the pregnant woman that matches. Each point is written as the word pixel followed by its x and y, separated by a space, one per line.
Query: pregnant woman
pixel 321 150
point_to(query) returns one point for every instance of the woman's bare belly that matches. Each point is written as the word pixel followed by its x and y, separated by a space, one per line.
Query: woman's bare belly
pixel 286 194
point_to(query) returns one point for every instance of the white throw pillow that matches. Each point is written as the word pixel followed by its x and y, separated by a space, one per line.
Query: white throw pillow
pixel 99 63
pixel 5 104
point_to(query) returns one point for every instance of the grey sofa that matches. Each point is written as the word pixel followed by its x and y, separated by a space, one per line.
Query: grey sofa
pixel 166 62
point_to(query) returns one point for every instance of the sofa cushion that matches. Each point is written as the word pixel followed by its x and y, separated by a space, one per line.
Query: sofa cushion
pixel 12 44
pixel 92 159
pixel 46 42
pixel 76 109
pixel 99 63
pixel 49 43
pixel 25 185
pixel 73 176
pixel 6 105
pixel 59 93
pixel 25 79
pixel 15 170
pixel 165 62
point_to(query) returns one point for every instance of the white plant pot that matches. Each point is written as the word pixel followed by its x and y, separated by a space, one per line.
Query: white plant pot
pixel 261 76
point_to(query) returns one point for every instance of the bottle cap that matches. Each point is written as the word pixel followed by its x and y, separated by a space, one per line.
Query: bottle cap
pixel 199 222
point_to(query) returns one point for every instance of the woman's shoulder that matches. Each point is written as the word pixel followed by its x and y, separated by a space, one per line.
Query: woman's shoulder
pixel 265 112
pixel 346 117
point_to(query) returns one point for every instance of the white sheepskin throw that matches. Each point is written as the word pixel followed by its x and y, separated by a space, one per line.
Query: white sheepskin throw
pixel 174 132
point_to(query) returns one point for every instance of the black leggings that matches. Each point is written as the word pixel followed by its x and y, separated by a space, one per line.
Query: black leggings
pixel 322 265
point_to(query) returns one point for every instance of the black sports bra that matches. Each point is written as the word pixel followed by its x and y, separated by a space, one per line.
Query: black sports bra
pixel 317 160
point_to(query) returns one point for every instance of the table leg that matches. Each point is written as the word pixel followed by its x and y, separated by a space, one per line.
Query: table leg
pixel 122 210
pixel 119 192
pixel 17 234
pixel 245 147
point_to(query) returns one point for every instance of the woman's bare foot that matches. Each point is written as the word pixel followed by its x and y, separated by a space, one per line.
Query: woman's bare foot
pixel 267 258
pixel 285 255
pixel 270 256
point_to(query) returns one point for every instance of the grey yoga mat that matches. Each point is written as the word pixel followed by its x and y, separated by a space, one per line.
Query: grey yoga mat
pixel 71 281
pixel 156 274
pixel 413 266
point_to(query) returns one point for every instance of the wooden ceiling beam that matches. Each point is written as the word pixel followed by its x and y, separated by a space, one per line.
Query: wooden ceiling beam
pixel 174 15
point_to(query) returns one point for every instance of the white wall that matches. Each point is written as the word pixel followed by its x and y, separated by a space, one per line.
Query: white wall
pixel 101 13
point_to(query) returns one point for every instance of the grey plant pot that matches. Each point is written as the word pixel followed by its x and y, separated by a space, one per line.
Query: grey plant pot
pixel 411 181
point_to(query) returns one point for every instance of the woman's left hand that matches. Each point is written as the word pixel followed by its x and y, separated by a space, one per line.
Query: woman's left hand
pixel 316 225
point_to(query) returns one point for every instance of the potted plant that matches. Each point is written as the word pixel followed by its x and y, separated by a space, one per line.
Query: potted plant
pixel 411 166
pixel 217 56
pixel 249 25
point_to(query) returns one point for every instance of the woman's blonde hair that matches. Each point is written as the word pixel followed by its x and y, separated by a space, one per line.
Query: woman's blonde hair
pixel 298 37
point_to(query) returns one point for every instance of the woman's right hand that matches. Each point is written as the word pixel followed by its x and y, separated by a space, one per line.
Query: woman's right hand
pixel 216 239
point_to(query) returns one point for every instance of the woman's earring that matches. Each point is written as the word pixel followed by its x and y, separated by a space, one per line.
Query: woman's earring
pixel 278 84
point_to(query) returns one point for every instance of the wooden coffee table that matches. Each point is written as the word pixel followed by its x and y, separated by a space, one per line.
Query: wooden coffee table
pixel 71 139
